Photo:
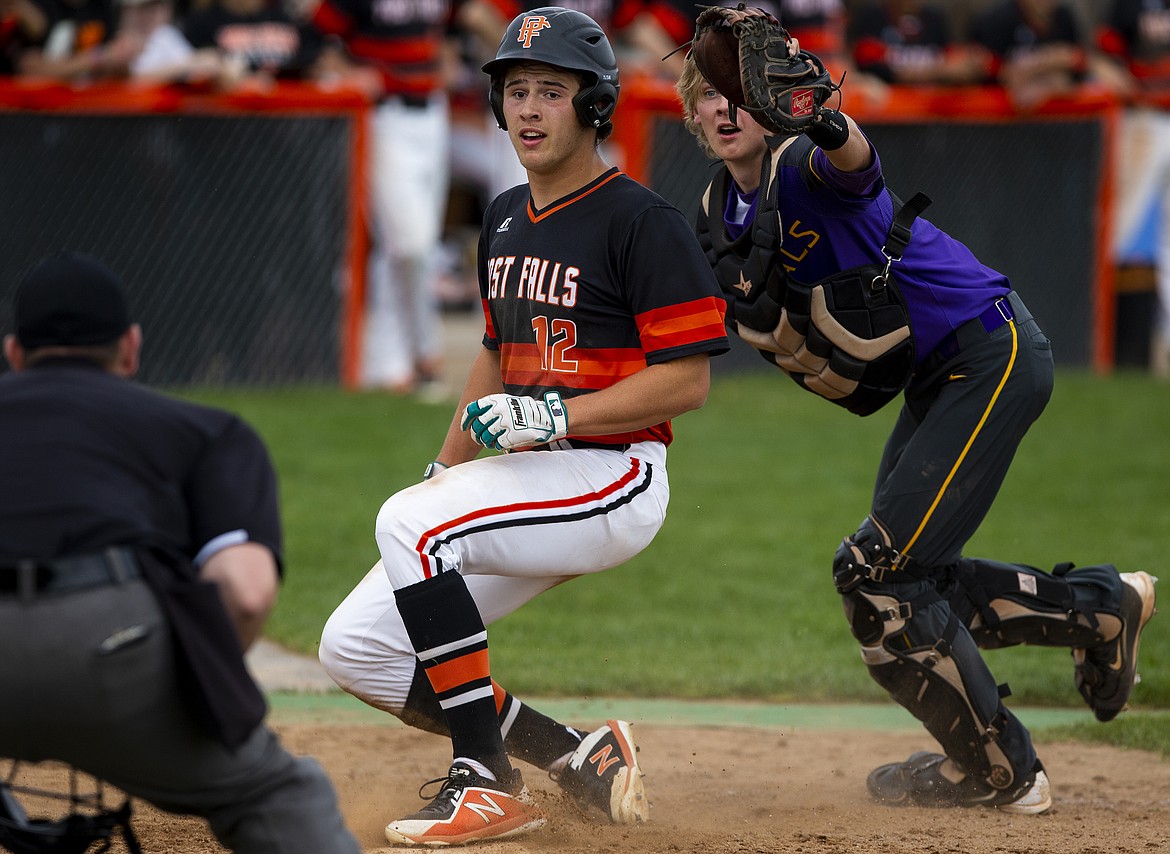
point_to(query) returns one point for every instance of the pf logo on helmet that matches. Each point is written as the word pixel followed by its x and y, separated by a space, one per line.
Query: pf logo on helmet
pixel 531 28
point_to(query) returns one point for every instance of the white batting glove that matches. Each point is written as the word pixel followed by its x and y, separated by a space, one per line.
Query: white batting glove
pixel 506 421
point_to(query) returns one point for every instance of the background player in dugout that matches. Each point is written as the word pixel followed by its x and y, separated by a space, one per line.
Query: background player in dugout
pixel 983 374
pixel 23 25
pixel 81 44
pixel 394 50
pixel 1134 39
pixel 1036 49
pixel 600 316
pixel 911 43
pixel 120 505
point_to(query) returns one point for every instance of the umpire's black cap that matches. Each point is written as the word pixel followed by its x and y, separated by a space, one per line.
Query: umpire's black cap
pixel 70 300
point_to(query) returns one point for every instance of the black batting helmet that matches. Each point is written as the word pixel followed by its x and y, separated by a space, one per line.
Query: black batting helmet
pixel 567 39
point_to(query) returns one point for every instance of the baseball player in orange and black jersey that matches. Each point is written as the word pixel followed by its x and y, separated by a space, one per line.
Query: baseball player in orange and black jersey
pixel 258 36
pixel 600 317
pixel 402 43
pixel 480 155
pixel 563 316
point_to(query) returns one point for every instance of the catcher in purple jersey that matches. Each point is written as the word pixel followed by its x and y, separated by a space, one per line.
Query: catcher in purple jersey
pixel 787 222
pixel 601 315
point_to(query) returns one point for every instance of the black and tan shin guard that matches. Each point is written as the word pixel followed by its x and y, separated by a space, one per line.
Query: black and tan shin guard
pixel 923 656
pixel 1004 604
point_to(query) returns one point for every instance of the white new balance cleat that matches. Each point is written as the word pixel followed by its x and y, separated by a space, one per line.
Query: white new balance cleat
pixel 468 808
pixel 603 774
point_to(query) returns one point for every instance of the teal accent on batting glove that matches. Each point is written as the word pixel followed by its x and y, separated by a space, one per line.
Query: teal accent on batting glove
pixel 477 418
pixel 433 468
pixel 557 414
pixel 473 411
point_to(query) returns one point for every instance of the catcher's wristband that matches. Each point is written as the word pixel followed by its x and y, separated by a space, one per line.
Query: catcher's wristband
pixel 830 131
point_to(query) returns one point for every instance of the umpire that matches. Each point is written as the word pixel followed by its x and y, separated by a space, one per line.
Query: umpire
pixel 128 521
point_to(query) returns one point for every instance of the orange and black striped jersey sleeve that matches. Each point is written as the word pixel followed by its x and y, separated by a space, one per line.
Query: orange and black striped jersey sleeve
pixel 593 288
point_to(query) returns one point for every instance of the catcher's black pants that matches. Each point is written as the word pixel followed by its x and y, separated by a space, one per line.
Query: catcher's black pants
pixel 961 422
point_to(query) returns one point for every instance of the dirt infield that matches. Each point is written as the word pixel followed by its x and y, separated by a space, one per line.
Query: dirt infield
pixel 744 791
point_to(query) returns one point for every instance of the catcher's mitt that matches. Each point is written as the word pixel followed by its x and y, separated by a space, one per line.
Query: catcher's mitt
pixel 743 53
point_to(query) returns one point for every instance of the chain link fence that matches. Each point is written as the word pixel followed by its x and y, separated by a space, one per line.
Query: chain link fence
pixel 229 231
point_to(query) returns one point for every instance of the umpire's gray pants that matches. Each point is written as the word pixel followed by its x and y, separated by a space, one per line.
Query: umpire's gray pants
pixel 88 678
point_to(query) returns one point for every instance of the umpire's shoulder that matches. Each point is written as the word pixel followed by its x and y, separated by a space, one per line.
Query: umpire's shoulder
pixel 211 423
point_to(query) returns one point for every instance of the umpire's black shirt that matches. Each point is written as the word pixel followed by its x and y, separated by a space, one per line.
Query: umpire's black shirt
pixel 89 459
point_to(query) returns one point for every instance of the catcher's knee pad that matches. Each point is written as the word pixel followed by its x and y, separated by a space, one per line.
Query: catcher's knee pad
pixel 920 653
pixel 1007 604
pixel 866 555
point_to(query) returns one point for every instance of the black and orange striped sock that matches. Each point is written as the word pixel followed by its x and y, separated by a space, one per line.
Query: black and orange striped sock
pixel 528 734
pixel 450 640
pixel 531 736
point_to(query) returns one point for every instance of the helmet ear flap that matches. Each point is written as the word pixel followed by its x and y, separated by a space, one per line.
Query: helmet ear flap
pixel 496 99
pixel 595 105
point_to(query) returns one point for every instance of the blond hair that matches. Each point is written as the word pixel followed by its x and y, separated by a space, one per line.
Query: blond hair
pixel 690 86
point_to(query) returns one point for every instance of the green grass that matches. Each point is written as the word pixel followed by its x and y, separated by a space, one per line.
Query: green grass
pixel 734 598
pixel 1134 731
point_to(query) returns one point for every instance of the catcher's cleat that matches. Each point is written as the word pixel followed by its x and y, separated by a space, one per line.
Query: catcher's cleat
pixel 468 808
pixel 1036 800
pixel 925 780
pixel 1105 674
pixel 603 774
